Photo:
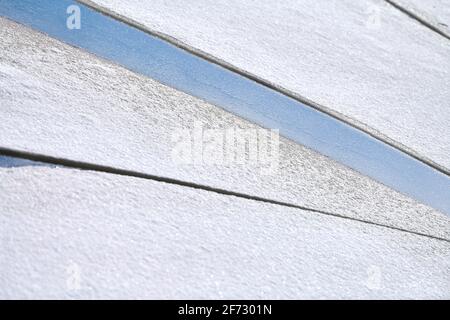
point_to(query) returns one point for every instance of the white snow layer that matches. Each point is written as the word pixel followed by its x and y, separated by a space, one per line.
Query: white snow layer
pixel 60 101
pixel 362 59
pixel 81 234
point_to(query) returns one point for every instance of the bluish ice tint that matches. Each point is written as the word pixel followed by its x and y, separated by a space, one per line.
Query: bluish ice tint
pixel 12 162
pixel 158 59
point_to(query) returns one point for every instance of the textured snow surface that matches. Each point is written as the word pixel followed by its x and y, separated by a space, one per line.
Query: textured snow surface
pixel 122 237
pixel 363 59
pixel 435 12
pixel 59 101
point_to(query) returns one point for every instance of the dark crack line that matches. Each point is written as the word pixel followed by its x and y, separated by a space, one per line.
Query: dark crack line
pixel 80 165
pixel 419 19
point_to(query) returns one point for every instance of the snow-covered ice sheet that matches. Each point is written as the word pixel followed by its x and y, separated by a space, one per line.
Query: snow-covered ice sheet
pixel 435 12
pixel 122 237
pixel 62 102
pixel 364 60
pixel 157 59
